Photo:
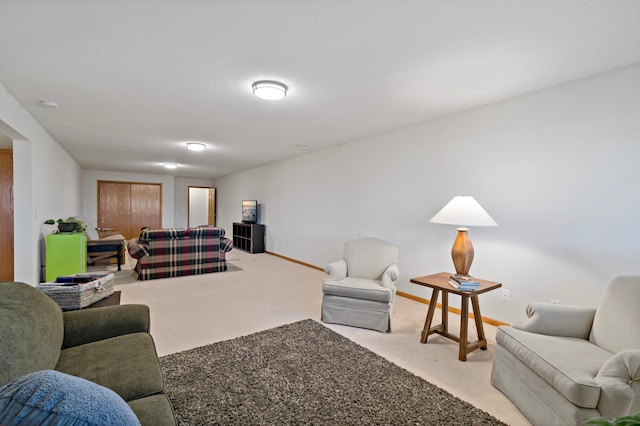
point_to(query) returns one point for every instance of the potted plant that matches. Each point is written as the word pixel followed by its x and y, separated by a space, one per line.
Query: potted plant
pixel 620 421
pixel 69 225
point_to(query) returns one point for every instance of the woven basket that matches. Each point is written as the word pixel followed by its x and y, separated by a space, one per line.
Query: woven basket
pixel 78 296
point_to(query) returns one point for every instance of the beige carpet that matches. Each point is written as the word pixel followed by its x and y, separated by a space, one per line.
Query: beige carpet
pixel 262 291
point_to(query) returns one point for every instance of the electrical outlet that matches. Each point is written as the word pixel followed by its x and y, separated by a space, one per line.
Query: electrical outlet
pixel 505 294
pixel 555 301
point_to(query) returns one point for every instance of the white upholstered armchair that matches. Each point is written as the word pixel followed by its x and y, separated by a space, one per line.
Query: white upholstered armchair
pixel 360 289
pixel 571 363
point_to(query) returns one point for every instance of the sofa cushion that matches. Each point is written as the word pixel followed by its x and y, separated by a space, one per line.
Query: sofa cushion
pixel 31 333
pixel 205 231
pixel 127 364
pixel 162 234
pixel 359 288
pixel 54 398
pixel 568 364
pixel 353 303
pixel 616 326
pixel 369 257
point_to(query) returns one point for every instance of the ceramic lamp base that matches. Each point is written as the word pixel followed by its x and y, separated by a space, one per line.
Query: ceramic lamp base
pixel 462 252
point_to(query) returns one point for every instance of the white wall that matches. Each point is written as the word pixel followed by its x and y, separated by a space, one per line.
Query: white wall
pixel 46 184
pixel 556 169
pixel 90 180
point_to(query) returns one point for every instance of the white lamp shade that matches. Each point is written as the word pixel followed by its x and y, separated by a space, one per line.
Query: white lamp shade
pixel 463 211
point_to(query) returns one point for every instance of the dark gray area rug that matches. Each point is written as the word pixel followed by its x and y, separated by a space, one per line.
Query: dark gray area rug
pixel 304 374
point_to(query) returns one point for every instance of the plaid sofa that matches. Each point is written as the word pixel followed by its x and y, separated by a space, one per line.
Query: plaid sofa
pixel 165 253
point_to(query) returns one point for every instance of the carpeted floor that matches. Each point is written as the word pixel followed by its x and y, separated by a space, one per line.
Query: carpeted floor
pixel 304 373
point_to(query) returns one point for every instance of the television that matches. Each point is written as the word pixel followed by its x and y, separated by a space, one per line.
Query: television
pixel 249 211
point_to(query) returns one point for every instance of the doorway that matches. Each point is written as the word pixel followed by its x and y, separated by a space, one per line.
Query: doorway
pixel 202 206
pixel 6 215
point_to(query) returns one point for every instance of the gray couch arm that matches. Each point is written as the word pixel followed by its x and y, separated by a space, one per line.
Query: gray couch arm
pixel 619 381
pixel 558 320
pixel 337 270
pixel 91 325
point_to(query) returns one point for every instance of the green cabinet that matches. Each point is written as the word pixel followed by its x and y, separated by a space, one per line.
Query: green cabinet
pixel 66 255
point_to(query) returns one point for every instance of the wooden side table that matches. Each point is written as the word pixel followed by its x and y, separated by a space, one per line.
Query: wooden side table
pixel 440 283
pixel 105 249
pixel 112 300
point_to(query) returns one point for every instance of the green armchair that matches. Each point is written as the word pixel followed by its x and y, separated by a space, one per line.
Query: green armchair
pixel 110 346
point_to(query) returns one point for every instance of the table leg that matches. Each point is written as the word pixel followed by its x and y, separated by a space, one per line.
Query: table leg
pixel 464 325
pixel 478 318
pixel 432 309
pixel 445 311
pixel 119 256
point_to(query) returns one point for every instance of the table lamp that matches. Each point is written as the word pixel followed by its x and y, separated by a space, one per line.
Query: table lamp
pixel 463 211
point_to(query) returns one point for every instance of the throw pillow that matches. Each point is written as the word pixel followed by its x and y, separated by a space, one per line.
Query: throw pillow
pixel 49 397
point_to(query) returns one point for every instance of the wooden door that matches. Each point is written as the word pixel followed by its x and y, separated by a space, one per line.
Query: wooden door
pixel 212 206
pixel 146 206
pixel 6 215
pixel 129 206
pixel 114 207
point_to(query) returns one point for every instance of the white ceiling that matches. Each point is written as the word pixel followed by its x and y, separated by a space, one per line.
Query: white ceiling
pixel 137 79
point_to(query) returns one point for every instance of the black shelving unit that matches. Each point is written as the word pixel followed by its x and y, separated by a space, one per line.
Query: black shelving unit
pixel 248 237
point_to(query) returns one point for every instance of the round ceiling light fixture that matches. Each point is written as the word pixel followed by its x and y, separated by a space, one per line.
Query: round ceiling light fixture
pixel 269 89
pixel 196 146
pixel 170 166
pixel 49 104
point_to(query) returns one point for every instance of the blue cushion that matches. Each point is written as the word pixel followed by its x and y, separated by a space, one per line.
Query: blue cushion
pixel 49 397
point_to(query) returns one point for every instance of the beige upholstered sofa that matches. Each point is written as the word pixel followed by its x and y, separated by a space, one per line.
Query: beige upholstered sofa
pixel 570 363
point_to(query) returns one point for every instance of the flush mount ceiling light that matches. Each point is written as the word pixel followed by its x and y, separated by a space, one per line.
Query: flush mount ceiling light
pixel 269 89
pixel 49 104
pixel 170 165
pixel 196 146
